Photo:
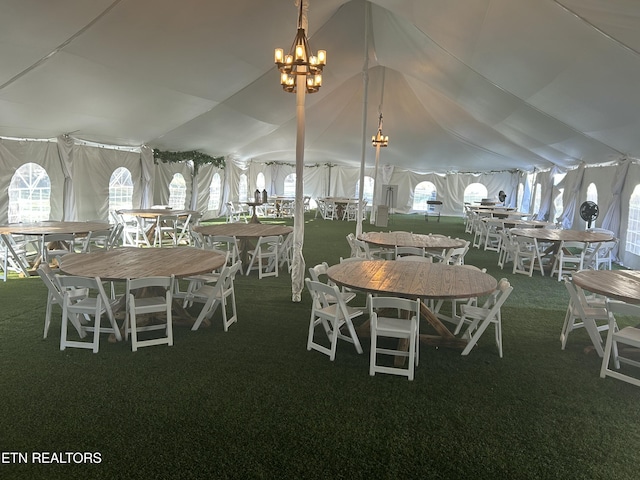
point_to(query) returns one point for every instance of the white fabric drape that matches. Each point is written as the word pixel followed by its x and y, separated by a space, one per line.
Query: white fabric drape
pixel 65 149
pixel 569 213
pixel 146 176
pixel 612 219
pixel 546 195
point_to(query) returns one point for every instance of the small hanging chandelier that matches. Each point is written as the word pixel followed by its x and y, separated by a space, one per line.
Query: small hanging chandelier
pixel 300 61
pixel 378 139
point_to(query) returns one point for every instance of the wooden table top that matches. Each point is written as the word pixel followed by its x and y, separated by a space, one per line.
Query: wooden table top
pixel 413 279
pixel 244 230
pixel 556 235
pixel 513 222
pixel 133 262
pixel 407 239
pixel 623 285
pixel 45 228
pixel 155 212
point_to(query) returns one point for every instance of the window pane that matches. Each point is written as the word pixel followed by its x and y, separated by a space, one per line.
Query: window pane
pixel 633 226
pixel 242 188
pixel 29 194
pixel 367 193
pixel 177 192
pixel 120 190
pixel 290 185
pixel 475 193
pixel 424 191
pixel 214 193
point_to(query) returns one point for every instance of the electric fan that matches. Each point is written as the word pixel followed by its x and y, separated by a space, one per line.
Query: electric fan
pixel 589 212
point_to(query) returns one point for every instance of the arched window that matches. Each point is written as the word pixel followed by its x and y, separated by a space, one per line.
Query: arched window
pixel 633 225
pixel 592 193
pixel 243 187
pixel 214 193
pixel 367 191
pixel 290 185
pixel 120 189
pixel 424 191
pixel 475 192
pixel 261 182
pixel 177 192
pixel 29 193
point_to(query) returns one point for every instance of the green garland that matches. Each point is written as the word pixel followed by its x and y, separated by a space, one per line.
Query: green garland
pixel 198 158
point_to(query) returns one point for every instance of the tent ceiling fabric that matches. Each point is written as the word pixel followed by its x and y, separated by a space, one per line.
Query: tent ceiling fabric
pixel 469 85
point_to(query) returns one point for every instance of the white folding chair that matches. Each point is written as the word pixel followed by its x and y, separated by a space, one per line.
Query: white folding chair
pixel 319 270
pixel 413 251
pixel 224 243
pixel 581 313
pixel 265 256
pixel 222 293
pixel 627 336
pixel 55 245
pixel 160 301
pixel 526 255
pixel 455 256
pixel 95 304
pixel 15 255
pixel 55 296
pixel 570 257
pixel 479 318
pixel 332 317
pixel 382 325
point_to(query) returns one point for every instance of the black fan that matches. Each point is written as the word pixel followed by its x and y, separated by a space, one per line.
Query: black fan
pixel 588 212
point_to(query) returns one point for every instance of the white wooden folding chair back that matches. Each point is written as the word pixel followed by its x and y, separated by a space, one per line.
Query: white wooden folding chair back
pixel 455 256
pixel 570 258
pixel 222 294
pixel 225 243
pixel 147 296
pixel 14 255
pixel 318 274
pixel 332 317
pixel 404 251
pixel 507 250
pixel 525 256
pixel 404 326
pixel 492 237
pixel 285 251
pixel 628 336
pixel 265 257
pixel 55 296
pixel 605 255
pixel 55 245
pixel 96 304
pixel 479 318
pixel 583 314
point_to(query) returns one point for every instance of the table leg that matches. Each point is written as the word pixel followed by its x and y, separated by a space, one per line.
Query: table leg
pixel 444 338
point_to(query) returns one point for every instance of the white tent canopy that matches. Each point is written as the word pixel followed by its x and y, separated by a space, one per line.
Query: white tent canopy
pixel 470 85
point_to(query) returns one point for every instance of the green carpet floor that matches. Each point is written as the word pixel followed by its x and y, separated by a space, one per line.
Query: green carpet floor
pixel 254 403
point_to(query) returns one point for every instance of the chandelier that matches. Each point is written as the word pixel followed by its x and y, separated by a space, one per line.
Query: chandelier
pixel 300 61
pixel 379 140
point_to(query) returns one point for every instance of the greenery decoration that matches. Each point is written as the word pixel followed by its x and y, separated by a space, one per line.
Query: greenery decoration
pixel 198 158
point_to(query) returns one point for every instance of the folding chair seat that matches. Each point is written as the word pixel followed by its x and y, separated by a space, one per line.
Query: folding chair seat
pixel 382 325
pixel 479 318
pixel 55 296
pixel 586 313
pixel 266 256
pixel 332 316
pixel 222 293
pixel 159 302
pixel 627 336
pixel 95 304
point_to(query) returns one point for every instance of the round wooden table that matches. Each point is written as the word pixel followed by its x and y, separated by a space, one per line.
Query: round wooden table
pixel 558 235
pixel 407 239
pixel 623 285
pixel 132 262
pixel 416 280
